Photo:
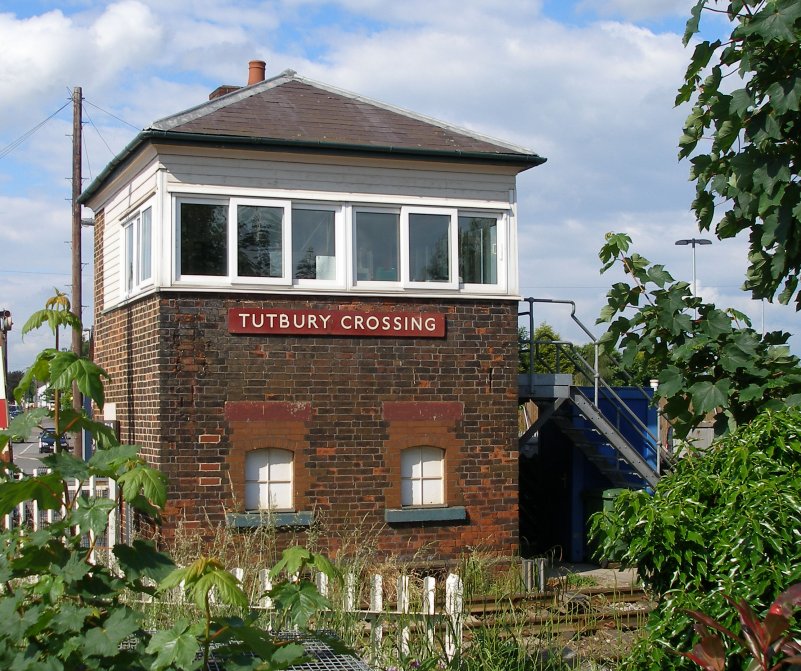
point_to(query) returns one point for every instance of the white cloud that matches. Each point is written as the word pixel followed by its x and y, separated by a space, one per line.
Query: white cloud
pixel 595 99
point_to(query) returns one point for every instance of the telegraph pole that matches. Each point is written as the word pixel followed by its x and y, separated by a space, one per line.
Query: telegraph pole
pixel 77 289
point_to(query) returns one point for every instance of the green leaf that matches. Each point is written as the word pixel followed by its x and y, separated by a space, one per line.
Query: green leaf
pixel 741 102
pixel 67 367
pixel 104 640
pixel 225 586
pixel 92 514
pixel 774 22
pixel 292 560
pixel 47 490
pixel 691 28
pixel 141 559
pixel 299 601
pixel 177 647
pixel 112 460
pixel 715 323
pixel 708 396
pixel 67 465
pixel 150 482
pixel 53 318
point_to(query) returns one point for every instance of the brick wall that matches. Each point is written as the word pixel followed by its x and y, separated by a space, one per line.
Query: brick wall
pixel 198 398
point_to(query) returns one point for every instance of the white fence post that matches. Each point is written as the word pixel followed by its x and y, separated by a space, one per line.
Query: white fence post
pixel 350 593
pixel 403 609
pixel 429 590
pixel 453 610
pixel 266 585
pixel 377 607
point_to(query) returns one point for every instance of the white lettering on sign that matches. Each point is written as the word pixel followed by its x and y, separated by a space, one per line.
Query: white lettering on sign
pixel 331 322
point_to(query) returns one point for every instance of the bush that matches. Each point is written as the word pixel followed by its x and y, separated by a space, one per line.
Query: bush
pixel 725 521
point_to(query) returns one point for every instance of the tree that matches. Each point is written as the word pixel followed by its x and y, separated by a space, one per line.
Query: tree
pixel 749 170
pixel 713 364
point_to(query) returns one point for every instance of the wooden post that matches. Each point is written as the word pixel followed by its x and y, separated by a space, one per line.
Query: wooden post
pixel 77 288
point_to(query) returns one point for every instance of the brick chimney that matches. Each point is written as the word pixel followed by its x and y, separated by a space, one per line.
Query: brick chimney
pixel 255 76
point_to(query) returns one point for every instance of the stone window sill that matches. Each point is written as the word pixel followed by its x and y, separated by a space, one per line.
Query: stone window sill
pixel 255 519
pixel 444 514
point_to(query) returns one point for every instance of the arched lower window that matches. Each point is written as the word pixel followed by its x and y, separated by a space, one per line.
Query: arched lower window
pixel 422 479
pixel 268 480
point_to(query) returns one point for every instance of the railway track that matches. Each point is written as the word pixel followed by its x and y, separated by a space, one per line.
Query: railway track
pixel 563 612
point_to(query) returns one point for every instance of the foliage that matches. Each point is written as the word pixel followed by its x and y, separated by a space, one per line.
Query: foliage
pixel 62 610
pixel 768 642
pixel 715 363
pixel 750 167
pixel 723 522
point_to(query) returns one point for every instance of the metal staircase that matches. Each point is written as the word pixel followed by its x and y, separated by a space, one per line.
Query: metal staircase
pixel 594 417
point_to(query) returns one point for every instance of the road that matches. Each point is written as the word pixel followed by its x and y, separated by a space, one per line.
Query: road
pixel 26 456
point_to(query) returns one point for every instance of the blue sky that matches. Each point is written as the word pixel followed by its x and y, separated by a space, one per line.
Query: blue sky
pixel 589 84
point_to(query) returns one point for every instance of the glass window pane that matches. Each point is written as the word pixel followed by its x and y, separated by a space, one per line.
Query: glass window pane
pixel 432 492
pixel 129 257
pixel 410 493
pixel 432 458
pixel 280 465
pixel 410 463
pixel 429 247
pixel 256 465
pixel 478 250
pixel 313 245
pixel 204 240
pixel 145 235
pixel 252 492
pixel 280 496
pixel 377 246
pixel 259 241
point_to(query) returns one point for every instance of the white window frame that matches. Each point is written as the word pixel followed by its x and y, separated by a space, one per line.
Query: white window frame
pixel 394 285
pixel 417 455
pixel 271 453
pixel 452 282
pixel 346 257
pixel 340 245
pixel 204 280
pixel 133 280
pixel 502 266
pixel 286 241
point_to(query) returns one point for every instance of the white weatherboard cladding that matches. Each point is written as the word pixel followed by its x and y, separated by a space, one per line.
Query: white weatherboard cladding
pixel 118 209
pixel 414 180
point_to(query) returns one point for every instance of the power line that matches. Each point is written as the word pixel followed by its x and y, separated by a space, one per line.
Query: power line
pixel 5 151
pixel 114 116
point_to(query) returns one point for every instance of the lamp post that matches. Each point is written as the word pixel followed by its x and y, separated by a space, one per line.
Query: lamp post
pixel 694 242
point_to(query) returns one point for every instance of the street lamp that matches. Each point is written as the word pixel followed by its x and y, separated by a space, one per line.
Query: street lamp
pixel 694 242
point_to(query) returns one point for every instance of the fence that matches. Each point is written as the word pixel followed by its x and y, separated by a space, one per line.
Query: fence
pixel 438 622
pixel 29 514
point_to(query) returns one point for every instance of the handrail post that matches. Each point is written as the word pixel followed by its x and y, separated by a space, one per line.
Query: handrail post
pixel 597 373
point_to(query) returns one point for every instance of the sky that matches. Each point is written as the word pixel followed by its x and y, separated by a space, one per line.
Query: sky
pixel 588 84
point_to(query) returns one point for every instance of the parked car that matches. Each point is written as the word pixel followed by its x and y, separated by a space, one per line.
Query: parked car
pixel 47 441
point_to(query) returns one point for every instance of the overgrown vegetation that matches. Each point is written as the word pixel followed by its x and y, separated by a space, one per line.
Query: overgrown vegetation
pixel 61 609
pixel 725 522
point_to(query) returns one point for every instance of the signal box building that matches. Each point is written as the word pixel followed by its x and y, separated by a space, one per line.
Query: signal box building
pixel 307 303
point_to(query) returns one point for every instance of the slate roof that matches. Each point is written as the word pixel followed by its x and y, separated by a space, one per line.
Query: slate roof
pixel 292 112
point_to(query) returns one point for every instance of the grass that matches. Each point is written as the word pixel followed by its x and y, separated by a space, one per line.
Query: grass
pixel 500 639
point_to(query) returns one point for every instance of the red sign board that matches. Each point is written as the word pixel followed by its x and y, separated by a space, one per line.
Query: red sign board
pixel 336 322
